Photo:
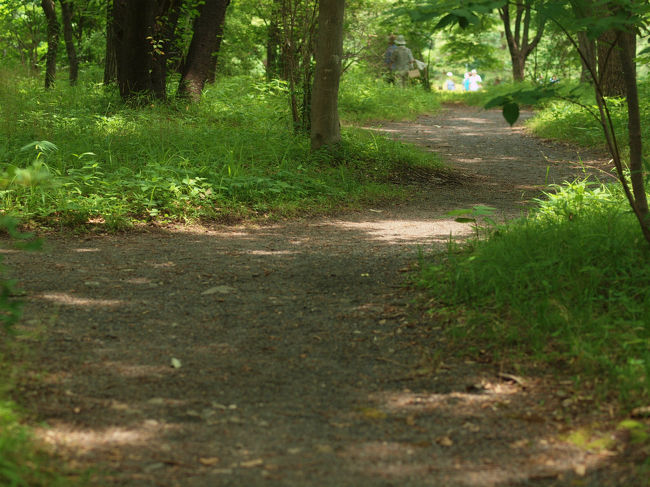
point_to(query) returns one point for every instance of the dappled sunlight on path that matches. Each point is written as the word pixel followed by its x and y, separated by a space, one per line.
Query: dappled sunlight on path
pixel 289 354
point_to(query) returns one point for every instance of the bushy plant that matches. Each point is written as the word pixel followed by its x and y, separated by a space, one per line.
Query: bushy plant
pixel 565 286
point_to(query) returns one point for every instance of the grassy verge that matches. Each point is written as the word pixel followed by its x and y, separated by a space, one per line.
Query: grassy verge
pixel 565 287
pixel 22 462
pixel 76 156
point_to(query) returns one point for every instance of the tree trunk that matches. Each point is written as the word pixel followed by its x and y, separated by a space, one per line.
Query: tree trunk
pixel 133 22
pixel 588 59
pixel 627 43
pixel 518 66
pixel 273 40
pixel 52 41
pixel 518 34
pixel 325 125
pixel 205 43
pixel 71 50
pixel 164 38
pixel 110 60
pixel 610 67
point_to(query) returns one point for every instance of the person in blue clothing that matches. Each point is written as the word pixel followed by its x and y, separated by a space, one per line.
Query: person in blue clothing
pixel 466 82
pixel 450 85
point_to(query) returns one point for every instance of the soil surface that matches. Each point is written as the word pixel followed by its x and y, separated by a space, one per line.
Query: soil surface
pixel 290 354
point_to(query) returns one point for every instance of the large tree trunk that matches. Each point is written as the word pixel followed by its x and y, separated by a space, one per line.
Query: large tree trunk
pixel 73 62
pixel 133 25
pixel 52 41
pixel 610 67
pixel 587 48
pixel 204 46
pixel 325 125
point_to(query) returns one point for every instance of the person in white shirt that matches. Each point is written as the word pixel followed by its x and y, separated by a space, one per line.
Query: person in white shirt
pixel 475 81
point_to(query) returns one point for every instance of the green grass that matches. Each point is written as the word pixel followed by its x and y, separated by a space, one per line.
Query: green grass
pixel 363 98
pixel 567 287
pixel 233 155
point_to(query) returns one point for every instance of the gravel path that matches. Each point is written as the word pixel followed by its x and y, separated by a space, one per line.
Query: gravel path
pixel 289 355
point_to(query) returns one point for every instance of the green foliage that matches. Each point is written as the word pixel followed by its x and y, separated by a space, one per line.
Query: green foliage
pixel 563 287
pixel 233 155
pixel 22 464
pixel 363 98
pixel 567 121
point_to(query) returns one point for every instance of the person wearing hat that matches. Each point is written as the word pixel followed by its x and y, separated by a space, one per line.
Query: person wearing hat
pixel 475 81
pixel 402 59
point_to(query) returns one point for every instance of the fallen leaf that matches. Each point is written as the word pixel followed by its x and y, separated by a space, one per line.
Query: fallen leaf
pixel 580 470
pixel 219 290
pixel 372 413
pixel 209 461
pixel 444 441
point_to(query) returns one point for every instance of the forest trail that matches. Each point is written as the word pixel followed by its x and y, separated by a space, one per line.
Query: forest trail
pixel 289 355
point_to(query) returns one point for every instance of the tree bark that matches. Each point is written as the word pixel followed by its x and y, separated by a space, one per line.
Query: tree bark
pixel 325 125
pixel 588 59
pixel 610 67
pixel 273 42
pixel 201 56
pixel 110 60
pixel 627 43
pixel 133 22
pixel 52 41
pixel 71 50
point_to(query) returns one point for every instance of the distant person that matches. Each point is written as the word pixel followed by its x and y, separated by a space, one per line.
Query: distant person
pixel 554 79
pixel 466 82
pixel 449 84
pixel 388 60
pixel 402 60
pixel 475 81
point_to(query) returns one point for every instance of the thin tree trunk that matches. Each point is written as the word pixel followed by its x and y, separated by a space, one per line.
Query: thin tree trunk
pixel 73 62
pixel 52 41
pixel 627 42
pixel 110 61
pixel 273 40
pixel 325 124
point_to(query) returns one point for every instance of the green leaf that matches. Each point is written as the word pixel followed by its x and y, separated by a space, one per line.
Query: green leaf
pixel 511 112
pixel 465 220
pixel 496 102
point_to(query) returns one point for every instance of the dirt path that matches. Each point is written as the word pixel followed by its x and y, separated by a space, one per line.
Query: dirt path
pixel 288 355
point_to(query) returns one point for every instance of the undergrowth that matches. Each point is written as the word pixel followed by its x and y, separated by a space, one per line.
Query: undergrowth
pixel 71 157
pixel 568 287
